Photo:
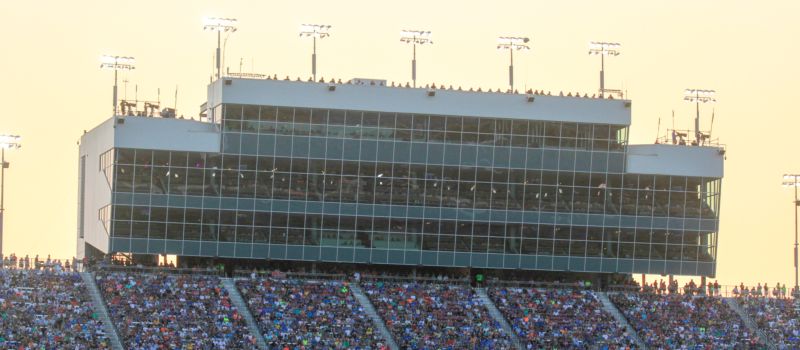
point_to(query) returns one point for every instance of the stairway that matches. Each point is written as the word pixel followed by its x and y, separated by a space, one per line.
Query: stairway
pixel 612 309
pixel 498 316
pixel 100 308
pixel 241 306
pixel 370 310
pixel 748 322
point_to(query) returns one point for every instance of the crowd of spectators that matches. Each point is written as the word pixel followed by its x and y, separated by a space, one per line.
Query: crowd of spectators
pixel 684 321
pixel 436 316
pixel 559 318
pixel 777 317
pixel 163 311
pixel 759 291
pixel 43 306
pixel 309 314
pixel 18 262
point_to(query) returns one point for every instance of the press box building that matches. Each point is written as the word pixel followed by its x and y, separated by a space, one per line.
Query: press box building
pixel 365 173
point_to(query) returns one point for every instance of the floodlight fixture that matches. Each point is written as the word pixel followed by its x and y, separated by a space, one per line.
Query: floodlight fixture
pixel 697 96
pixel 315 31
pixel 220 25
pixel 415 37
pixel 116 63
pixel 512 43
pixel 603 49
pixel 10 141
pixel 793 180
pixel 6 142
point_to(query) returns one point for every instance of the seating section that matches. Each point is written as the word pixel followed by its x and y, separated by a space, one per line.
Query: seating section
pixel 309 314
pixel 435 316
pixel 683 321
pixel 778 318
pixel 47 310
pixel 161 311
pixel 559 318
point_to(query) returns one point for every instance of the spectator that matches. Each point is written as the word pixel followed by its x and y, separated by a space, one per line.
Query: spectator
pixel 559 318
pixel 778 318
pixel 309 314
pixel 683 321
pixel 160 311
pixel 47 309
pixel 436 316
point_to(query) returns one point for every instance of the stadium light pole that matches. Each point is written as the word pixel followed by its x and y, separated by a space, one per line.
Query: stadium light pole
pixel 415 37
pixel 697 96
pixel 793 180
pixel 6 142
pixel 315 31
pixel 116 63
pixel 512 43
pixel 219 25
pixel 603 49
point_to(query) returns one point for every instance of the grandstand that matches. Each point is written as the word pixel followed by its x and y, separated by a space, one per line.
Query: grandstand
pixel 368 215
pixel 154 308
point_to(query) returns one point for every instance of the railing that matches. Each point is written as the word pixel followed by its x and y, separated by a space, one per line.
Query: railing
pixel 540 284
pixel 416 279
pixel 159 270
pixel 688 138
pixel 281 275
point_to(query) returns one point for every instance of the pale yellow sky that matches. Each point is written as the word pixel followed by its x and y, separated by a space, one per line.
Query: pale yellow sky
pixel 52 88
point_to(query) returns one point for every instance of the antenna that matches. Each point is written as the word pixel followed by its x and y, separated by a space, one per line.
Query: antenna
pixel 158 96
pixel 176 99
pixel 673 119
pixel 712 124
pixel 658 129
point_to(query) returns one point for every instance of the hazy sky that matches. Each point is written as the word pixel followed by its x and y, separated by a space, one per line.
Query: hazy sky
pixel 51 87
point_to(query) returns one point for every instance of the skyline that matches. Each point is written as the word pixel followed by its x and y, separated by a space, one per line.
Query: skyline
pixel 747 84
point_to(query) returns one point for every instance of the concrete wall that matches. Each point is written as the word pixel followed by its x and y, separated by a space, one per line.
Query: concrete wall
pixel 676 160
pixel 408 100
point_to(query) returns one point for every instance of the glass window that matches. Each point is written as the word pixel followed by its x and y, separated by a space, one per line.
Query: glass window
pixel 285 115
pixel 370 119
pixel 319 116
pixel 233 112
pixel 353 118
pixel 387 120
pixel 250 113
pixel 404 121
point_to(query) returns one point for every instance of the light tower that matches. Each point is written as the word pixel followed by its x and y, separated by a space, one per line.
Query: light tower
pixel 697 96
pixel 219 25
pixel 415 37
pixel 793 180
pixel 315 31
pixel 512 43
pixel 116 63
pixel 6 142
pixel 603 49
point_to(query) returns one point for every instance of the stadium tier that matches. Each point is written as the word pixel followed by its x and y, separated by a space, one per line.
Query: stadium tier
pixel 436 315
pixel 47 309
pixel 357 173
pixel 319 314
pixel 160 311
pixel 151 308
pixel 546 318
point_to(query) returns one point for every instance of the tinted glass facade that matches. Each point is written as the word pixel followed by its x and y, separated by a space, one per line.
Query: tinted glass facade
pixel 388 188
